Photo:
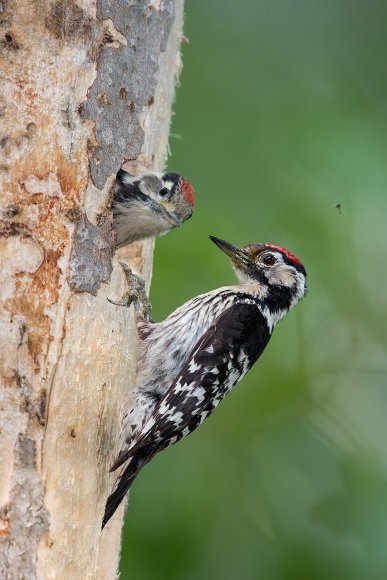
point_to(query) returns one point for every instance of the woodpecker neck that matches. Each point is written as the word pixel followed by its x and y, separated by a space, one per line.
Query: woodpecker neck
pixel 281 289
pixel 278 299
pixel 273 304
pixel 274 300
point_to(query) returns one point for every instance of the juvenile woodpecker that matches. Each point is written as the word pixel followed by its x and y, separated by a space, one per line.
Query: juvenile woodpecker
pixel 150 205
pixel 191 360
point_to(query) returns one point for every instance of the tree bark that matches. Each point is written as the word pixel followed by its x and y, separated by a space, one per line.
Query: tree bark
pixel 84 87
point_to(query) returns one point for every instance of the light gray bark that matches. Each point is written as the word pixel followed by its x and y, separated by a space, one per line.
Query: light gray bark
pixel 84 86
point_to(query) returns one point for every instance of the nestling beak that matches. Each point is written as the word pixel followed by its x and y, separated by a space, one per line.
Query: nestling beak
pixel 174 219
pixel 170 216
pixel 238 256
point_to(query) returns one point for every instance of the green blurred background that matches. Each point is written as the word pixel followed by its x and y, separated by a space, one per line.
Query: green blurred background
pixel 281 115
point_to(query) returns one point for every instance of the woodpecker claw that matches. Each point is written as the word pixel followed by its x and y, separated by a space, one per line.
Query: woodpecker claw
pixel 136 293
pixel 127 270
pixel 119 302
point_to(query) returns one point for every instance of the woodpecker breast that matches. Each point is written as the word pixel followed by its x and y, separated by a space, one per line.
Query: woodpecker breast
pixel 171 342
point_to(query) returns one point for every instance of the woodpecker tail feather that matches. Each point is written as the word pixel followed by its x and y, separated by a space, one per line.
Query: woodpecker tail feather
pixel 138 460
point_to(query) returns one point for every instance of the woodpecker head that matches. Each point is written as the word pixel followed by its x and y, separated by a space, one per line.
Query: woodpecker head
pixel 150 205
pixel 279 274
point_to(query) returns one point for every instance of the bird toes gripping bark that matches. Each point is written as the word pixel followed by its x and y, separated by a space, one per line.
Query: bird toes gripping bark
pixel 136 294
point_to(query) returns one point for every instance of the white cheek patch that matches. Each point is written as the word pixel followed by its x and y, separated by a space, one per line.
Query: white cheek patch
pixel 283 276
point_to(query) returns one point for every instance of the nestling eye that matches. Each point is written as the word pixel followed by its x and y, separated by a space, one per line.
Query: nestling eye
pixel 269 260
pixel 164 192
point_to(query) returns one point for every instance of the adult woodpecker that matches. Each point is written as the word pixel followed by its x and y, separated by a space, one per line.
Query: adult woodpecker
pixel 150 205
pixel 191 360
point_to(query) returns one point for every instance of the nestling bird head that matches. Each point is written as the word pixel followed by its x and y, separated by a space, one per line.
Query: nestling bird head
pixel 150 205
pixel 276 271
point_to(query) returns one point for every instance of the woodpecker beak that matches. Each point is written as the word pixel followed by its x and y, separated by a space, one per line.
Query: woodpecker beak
pixel 238 256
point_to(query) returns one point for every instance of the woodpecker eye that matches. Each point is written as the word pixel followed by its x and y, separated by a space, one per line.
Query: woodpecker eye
pixel 269 260
pixel 164 192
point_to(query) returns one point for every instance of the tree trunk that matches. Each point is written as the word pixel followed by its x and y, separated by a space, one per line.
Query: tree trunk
pixel 84 87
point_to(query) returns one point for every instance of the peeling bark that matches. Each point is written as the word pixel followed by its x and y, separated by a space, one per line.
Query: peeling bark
pixel 84 87
pixel 142 34
pixel 90 262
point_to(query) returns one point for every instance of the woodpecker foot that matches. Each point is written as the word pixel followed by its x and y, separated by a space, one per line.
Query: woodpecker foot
pixel 136 293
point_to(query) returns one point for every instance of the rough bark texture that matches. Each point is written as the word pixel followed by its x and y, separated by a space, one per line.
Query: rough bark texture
pixel 84 86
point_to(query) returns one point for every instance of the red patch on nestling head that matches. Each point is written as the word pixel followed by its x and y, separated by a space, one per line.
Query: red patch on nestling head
pixel 291 256
pixel 188 191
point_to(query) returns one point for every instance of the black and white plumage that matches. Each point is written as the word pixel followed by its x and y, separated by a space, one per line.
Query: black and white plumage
pixel 191 360
pixel 149 205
